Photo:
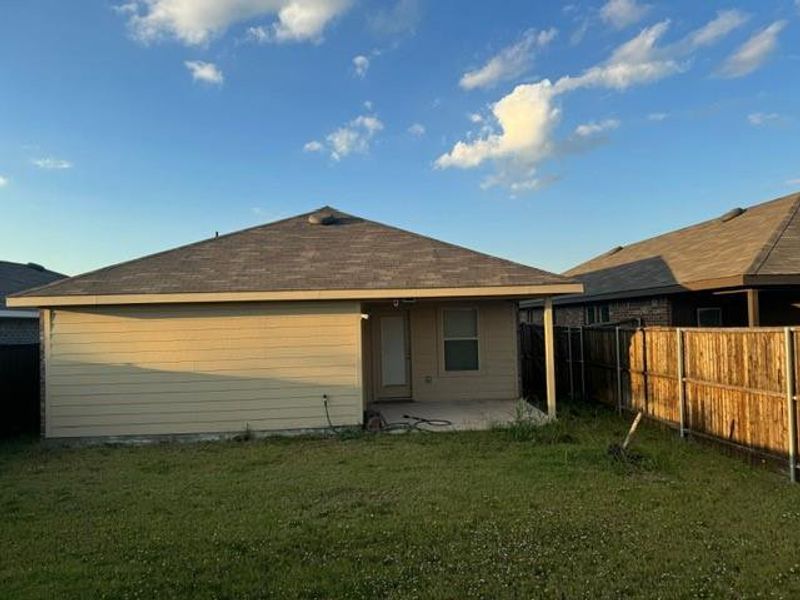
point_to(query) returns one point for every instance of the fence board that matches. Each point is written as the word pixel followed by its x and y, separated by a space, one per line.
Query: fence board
pixel 735 379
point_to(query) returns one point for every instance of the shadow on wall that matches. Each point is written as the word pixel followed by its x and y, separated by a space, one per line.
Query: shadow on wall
pixel 115 399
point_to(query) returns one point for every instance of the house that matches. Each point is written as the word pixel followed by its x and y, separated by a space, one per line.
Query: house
pixel 269 327
pixel 739 269
pixel 21 325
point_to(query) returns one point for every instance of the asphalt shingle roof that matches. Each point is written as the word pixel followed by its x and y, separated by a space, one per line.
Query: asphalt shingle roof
pixel 294 254
pixel 17 277
pixel 763 240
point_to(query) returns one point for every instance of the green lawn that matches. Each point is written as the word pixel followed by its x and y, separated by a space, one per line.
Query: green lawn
pixel 498 514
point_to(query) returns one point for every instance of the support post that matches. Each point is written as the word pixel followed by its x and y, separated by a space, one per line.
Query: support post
pixel 791 407
pixel 753 311
pixel 549 357
pixel 583 366
pixel 681 384
pixel 569 353
pixel 45 333
pixel 619 370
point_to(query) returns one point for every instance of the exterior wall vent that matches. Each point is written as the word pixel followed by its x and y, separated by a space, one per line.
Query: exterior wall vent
pixel 322 218
pixel 731 214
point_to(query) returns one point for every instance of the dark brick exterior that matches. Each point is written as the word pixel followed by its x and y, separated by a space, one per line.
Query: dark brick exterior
pixel 648 311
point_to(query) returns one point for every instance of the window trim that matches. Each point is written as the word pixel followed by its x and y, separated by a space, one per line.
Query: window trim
pixel 442 339
pixel 717 309
pixel 593 314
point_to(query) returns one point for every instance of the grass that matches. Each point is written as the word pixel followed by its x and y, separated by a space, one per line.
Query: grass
pixel 513 513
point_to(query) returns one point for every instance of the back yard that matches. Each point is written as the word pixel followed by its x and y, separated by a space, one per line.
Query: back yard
pixel 494 514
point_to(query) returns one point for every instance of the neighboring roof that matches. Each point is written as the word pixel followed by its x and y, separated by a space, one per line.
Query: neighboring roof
pixel 296 255
pixel 17 277
pixel 760 244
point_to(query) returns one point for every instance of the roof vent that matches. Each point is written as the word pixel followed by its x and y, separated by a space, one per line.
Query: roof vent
pixel 731 214
pixel 35 266
pixel 614 250
pixel 323 217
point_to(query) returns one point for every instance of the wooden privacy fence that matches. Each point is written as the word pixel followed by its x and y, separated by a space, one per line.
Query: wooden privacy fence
pixel 734 385
pixel 19 389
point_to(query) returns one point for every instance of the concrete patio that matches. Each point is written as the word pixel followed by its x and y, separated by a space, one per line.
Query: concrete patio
pixel 464 415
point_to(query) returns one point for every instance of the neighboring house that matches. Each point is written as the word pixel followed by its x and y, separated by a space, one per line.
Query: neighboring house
pixel 21 325
pixel 740 269
pixel 256 329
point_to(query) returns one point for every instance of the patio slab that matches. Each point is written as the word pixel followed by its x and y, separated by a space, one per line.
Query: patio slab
pixel 462 415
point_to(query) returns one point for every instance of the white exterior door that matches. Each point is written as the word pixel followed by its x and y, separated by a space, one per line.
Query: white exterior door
pixel 393 356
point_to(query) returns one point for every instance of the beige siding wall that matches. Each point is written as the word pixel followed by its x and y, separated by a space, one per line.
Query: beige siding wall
pixel 497 377
pixel 172 369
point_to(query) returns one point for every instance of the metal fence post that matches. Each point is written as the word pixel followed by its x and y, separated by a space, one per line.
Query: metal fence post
pixel 583 366
pixel 569 352
pixel 681 384
pixel 619 371
pixel 791 407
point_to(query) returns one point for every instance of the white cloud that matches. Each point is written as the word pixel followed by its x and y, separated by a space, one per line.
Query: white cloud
pixel 3 181
pixel 196 22
pixel 361 65
pixel 594 127
pixel 205 72
pixel 546 36
pixel 51 163
pixel 313 146
pixel 621 13
pixel 510 62
pixel 517 185
pixel 641 60
pixel 127 8
pixel 475 118
pixel 400 18
pixel 520 134
pixel 635 62
pixel 259 34
pixel 753 53
pixel 713 31
pixel 417 129
pixel 526 118
pixel 794 181
pixel 657 116
pixel 760 118
pixel 354 137
pixel 576 37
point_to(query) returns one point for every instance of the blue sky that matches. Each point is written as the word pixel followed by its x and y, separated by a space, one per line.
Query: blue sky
pixel 543 132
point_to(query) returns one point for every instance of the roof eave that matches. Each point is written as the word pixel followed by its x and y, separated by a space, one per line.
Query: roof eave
pixel 735 281
pixel 513 292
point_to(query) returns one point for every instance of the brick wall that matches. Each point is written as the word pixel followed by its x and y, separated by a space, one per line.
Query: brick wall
pixel 652 311
pixel 19 331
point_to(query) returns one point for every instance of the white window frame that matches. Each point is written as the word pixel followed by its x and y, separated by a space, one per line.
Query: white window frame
pixel 709 309
pixel 443 365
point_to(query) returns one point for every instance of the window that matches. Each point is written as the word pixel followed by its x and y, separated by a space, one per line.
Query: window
pixel 709 317
pixel 460 334
pixel 597 313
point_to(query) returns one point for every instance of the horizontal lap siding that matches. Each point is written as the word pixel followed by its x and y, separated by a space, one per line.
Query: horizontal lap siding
pixel 151 370
pixel 497 378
